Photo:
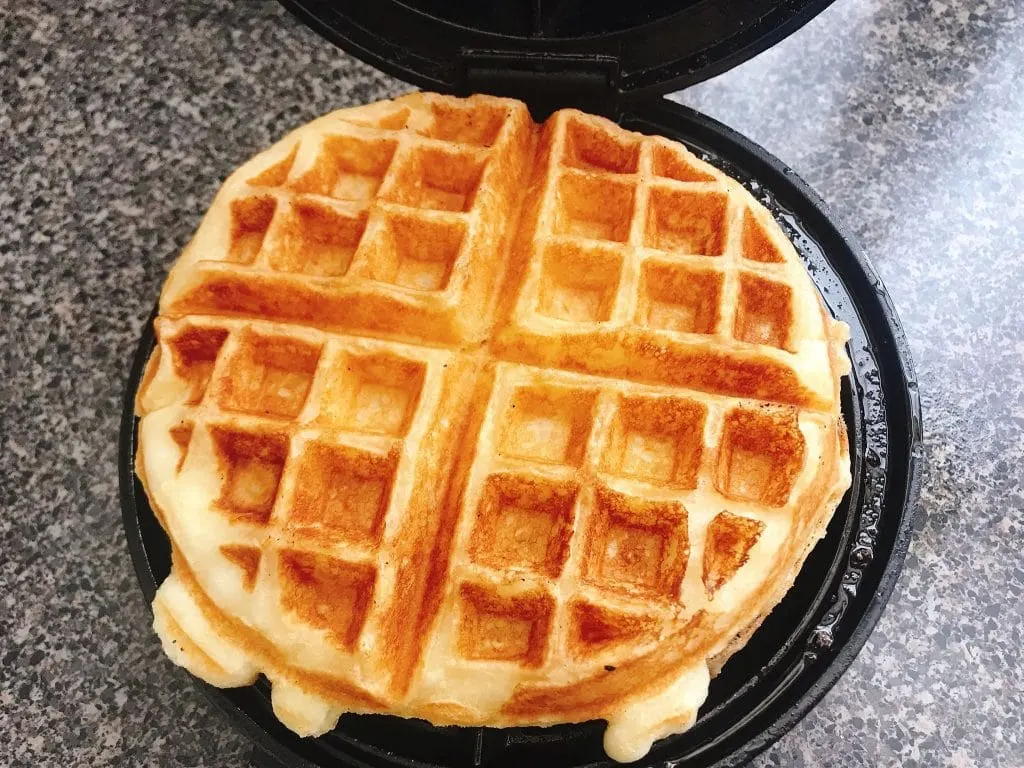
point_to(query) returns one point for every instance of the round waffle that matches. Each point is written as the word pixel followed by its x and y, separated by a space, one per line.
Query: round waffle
pixel 459 417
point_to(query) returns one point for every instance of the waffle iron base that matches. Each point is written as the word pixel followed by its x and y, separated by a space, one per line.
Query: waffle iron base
pixel 806 643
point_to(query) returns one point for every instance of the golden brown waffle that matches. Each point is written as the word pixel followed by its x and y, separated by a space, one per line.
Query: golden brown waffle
pixel 459 417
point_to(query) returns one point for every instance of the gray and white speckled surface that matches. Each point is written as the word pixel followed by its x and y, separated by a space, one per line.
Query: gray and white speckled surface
pixel 119 119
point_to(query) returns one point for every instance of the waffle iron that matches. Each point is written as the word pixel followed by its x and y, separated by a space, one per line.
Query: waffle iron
pixel 617 59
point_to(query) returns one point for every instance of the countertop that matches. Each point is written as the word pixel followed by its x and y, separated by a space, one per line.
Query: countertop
pixel 118 121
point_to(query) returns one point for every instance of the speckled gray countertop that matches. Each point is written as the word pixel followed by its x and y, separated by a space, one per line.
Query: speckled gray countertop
pixel 119 119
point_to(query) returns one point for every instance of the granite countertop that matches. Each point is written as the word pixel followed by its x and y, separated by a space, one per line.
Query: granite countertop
pixel 118 120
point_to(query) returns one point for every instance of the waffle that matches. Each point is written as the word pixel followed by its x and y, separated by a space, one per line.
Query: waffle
pixel 459 417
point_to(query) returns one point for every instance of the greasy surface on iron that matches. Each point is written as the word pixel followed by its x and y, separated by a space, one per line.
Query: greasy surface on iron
pixel 907 122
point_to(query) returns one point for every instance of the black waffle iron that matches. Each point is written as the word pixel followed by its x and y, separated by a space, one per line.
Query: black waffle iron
pixel 617 59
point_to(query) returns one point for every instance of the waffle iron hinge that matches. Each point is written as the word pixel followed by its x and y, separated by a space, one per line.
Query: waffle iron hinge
pixel 545 81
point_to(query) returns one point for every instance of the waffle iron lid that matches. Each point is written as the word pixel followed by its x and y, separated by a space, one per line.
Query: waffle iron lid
pixel 596 55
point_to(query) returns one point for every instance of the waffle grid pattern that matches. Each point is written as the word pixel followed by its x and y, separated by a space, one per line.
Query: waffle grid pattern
pixel 311 440
pixel 586 493
pixel 658 269
pixel 590 504
pixel 696 249
pixel 373 219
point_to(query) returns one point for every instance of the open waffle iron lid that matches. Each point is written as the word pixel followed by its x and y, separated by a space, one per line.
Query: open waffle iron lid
pixel 615 59
pixel 596 55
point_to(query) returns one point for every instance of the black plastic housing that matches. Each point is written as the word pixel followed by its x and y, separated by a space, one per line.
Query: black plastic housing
pixel 809 639
pixel 596 55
